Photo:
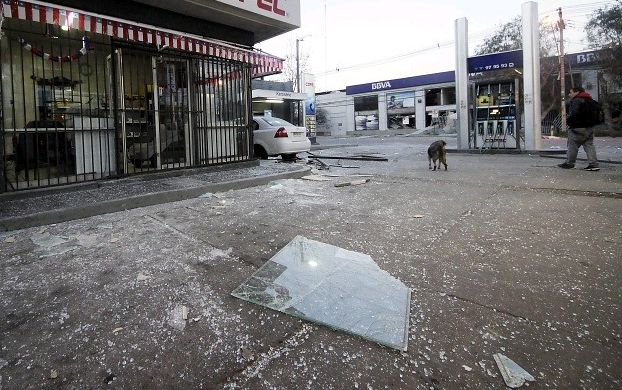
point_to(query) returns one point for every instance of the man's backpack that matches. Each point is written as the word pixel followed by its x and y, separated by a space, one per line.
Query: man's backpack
pixel 593 113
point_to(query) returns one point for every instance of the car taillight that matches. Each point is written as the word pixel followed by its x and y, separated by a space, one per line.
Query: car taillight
pixel 281 133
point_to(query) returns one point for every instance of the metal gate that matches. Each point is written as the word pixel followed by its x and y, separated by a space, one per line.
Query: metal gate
pixel 177 110
pixel 78 108
pixel 57 125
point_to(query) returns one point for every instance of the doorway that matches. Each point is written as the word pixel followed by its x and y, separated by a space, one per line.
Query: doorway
pixel 154 111
pixel 180 110
pixel 172 112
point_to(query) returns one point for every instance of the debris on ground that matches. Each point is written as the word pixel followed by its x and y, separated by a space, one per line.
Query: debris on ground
pixel 142 277
pixel 339 165
pixel 513 374
pixel 321 164
pixel 47 241
pixel 360 157
pixel 176 318
pixel 52 245
pixel 312 280
pixel 352 183
pixel 348 175
pixel 110 377
pixel 315 178
pixel 104 225
pixel 247 353
pixel 290 186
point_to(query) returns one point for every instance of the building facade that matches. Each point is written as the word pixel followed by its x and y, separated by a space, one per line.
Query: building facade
pixel 428 103
pixel 403 104
pixel 110 89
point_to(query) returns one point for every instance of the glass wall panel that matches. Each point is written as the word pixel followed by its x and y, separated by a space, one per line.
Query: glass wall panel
pixel 366 112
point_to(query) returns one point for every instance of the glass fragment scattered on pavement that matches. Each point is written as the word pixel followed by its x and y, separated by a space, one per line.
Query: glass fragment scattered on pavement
pixel 331 286
pixel 47 240
pixel 513 374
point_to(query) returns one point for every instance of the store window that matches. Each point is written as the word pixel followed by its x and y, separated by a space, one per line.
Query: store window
pixel 401 110
pixel 440 97
pixel 57 116
pixel 366 112
pixel 433 97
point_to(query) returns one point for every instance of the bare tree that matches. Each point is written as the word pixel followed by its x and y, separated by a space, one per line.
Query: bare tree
pixel 509 36
pixel 604 31
pixel 290 66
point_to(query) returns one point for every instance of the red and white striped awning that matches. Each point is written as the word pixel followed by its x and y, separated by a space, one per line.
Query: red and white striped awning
pixel 263 64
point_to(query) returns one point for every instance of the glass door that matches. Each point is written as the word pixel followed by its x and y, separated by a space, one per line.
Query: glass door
pixel 172 109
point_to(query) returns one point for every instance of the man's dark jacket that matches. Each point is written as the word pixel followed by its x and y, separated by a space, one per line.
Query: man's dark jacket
pixel 578 113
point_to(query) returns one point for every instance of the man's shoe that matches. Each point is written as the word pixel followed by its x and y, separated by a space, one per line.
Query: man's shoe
pixel 592 168
pixel 566 166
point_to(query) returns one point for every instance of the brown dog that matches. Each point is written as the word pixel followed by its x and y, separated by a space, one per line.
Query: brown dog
pixel 437 152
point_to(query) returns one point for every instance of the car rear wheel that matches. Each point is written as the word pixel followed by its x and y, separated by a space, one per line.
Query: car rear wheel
pixel 288 156
pixel 260 152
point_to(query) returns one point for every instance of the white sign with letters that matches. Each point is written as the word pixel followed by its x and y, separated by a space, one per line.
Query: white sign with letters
pixel 287 11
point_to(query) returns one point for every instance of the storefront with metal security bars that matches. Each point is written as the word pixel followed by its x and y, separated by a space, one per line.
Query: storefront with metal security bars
pixel 93 99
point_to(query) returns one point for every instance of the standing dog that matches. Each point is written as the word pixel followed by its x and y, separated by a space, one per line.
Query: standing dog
pixel 437 151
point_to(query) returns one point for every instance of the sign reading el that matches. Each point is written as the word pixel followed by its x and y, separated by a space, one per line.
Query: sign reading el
pixel 284 10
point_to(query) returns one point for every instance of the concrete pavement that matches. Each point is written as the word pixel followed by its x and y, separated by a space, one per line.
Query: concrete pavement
pixel 503 254
pixel 43 206
pixel 58 204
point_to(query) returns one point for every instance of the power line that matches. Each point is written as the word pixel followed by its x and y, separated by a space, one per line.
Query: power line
pixel 388 59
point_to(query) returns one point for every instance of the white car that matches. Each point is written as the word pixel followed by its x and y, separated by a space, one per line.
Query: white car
pixel 274 136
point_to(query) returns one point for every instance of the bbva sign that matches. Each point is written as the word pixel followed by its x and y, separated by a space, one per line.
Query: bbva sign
pixel 381 85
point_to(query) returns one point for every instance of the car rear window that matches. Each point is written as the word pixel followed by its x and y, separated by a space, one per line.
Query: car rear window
pixel 272 121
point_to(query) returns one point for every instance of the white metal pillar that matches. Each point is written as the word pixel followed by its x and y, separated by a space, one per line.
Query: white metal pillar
pixel 531 76
pixel 462 82
pixel 420 109
pixel 382 112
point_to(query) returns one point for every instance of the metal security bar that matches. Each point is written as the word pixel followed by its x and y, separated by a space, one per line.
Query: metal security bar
pixel 223 115
pixel 181 110
pixel 78 108
pixel 57 122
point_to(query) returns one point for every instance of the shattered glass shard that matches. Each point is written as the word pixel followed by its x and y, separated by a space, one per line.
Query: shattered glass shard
pixel 335 287
pixel 513 374
pixel 47 240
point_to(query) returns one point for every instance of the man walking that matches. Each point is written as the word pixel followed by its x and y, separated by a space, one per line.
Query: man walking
pixel 581 119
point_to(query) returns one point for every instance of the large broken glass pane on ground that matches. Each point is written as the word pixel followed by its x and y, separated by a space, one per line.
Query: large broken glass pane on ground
pixel 328 285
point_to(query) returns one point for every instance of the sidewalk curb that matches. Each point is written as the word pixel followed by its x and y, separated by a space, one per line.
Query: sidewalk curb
pixel 111 206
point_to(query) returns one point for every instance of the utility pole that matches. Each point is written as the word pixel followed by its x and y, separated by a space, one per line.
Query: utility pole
pixel 562 70
pixel 298 65
pixel 298 81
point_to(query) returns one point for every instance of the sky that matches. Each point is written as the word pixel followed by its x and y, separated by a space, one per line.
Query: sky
pixel 356 42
